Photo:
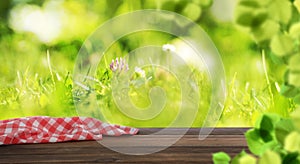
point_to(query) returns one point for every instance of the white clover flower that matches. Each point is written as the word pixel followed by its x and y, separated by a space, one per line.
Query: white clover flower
pixel 140 72
pixel 168 48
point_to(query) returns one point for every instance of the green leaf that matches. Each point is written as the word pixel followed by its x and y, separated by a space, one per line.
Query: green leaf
pixel 250 16
pixel 286 77
pixel 265 31
pixel 297 99
pixel 280 10
pixel 297 5
pixel 265 135
pixel 294 30
pixel 292 142
pixel 282 45
pixel 294 79
pixel 249 3
pixel 294 63
pixel 270 157
pixel 244 15
pixel 247 159
pixel 262 137
pixel 259 17
pixel 236 159
pixel 256 144
pixel 291 158
pixel 192 11
pixel 276 59
pixel 267 125
pixel 244 158
pixel 289 91
pixel 203 3
pixel 267 122
pixel 169 5
pixel 221 158
pixel 282 129
pixel 295 115
pixel 264 2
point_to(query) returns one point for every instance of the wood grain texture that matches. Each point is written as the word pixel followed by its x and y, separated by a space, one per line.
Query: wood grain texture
pixel 189 149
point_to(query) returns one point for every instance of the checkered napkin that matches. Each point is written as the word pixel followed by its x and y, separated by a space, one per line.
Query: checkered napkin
pixel 42 129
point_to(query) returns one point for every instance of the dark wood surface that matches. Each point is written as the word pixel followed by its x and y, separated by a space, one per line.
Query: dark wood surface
pixel 188 149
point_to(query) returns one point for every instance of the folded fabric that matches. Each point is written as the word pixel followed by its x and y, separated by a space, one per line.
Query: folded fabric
pixel 43 129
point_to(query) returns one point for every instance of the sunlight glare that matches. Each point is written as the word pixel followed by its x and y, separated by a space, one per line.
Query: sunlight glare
pixel 44 22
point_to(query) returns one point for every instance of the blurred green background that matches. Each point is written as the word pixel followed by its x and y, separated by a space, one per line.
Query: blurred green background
pixel 34 83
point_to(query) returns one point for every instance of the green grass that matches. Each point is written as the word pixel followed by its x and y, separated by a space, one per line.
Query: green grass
pixel 35 95
pixel 34 83
pixel 50 92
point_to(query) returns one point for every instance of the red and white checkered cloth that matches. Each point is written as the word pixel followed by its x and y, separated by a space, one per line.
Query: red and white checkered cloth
pixel 42 129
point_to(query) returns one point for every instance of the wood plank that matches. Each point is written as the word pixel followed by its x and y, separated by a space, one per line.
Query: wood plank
pixel 188 149
pixel 121 142
pixel 174 154
pixel 195 131
pixel 116 158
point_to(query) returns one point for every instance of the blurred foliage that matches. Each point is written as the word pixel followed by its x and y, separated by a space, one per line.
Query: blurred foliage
pixel 32 83
pixel 275 27
pixel 273 139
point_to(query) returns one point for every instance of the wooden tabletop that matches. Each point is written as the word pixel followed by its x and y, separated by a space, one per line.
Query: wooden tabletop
pixel 187 149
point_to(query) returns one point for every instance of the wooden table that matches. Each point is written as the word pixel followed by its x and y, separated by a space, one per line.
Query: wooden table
pixel 188 149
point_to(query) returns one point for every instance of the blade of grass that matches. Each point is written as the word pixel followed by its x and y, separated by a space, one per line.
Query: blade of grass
pixel 50 68
pixel 267 77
